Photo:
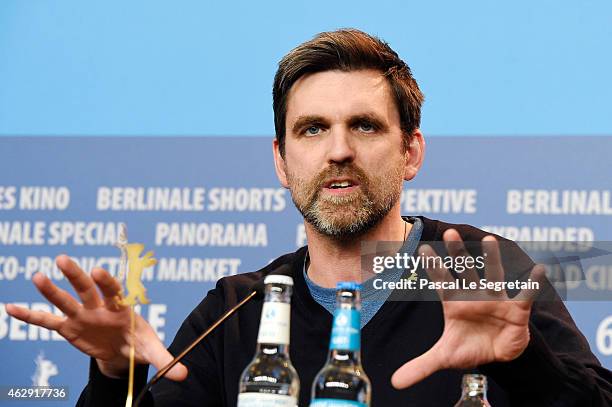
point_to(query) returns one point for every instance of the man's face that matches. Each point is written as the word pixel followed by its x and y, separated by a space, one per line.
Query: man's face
pixel 344 158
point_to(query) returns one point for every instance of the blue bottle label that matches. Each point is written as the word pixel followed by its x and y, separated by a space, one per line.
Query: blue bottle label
pixel 335 403
pixel 345 330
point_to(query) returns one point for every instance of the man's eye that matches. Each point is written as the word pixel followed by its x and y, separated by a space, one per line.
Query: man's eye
pixel 366 127
pixel 313 130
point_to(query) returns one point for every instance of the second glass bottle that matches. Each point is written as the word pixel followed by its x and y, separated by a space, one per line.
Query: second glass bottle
pixel 342 381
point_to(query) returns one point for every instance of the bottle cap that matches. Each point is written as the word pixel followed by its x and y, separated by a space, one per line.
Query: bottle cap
pixel 348 285
pixel 278 279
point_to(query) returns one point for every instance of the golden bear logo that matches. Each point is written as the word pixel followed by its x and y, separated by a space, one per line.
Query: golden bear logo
pixel 136 291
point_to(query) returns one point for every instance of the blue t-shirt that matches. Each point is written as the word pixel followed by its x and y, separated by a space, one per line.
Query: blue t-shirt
pixel 371 298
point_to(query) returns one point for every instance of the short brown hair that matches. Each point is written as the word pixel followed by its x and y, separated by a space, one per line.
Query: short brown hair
pixel 347 50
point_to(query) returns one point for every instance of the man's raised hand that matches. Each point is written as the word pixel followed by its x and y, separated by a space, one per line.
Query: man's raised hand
pixel 98 326
pixel 486 326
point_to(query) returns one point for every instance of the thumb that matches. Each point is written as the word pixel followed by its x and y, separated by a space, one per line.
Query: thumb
pixel 416 370
pixel 160 357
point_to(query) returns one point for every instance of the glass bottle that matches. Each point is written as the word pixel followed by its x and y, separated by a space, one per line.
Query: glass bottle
pixel 270 379
pixel 474 393
pixel 342 381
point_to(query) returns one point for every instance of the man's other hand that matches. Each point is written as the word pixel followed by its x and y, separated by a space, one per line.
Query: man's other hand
pixel 98 326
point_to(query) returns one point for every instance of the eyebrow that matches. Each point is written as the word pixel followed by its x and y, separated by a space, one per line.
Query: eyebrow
pixel 304 121
pixel 372 118
pixel 308 120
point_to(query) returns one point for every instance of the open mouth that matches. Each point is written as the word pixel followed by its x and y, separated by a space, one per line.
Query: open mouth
pixel 341 184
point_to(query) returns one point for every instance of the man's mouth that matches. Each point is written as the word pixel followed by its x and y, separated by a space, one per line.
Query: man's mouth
pixel 341 185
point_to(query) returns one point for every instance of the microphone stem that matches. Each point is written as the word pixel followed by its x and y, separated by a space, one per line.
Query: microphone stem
pixel 162 372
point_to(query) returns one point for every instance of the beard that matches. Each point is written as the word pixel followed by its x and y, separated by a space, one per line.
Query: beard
pixel 351 215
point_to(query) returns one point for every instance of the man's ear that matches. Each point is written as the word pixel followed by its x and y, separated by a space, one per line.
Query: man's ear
pixel 414 155
pixel 279 164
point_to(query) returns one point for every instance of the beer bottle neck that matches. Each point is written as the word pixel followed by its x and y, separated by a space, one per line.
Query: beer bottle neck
pixel 272 349
pixel 475 385
pixel 274 327
pixel 345 357
pixel 345 342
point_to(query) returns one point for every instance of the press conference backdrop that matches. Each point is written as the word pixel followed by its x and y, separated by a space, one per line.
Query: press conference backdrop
pixel 210 206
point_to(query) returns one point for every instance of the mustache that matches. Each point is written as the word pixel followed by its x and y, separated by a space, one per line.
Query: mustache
pixel 348 170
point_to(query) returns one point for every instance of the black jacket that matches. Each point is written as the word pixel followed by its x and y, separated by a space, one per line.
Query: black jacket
pixel 557 368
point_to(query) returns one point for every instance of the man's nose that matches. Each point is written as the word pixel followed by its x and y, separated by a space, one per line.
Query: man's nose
pixel 341 148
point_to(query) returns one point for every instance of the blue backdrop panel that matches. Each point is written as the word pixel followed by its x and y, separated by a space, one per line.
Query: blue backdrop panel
pixel 219 210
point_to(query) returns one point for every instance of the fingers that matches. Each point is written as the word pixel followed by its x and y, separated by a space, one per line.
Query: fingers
pixel 109 287
pixel 538 274
pixel 494 270
pixel 58 297
pixel 456 248
pixel 435 269
pixel 160 357
pixel 416 370
pixel 40 318
pixel 82 283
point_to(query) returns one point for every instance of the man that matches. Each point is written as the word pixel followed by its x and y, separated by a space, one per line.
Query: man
pixel 347 114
